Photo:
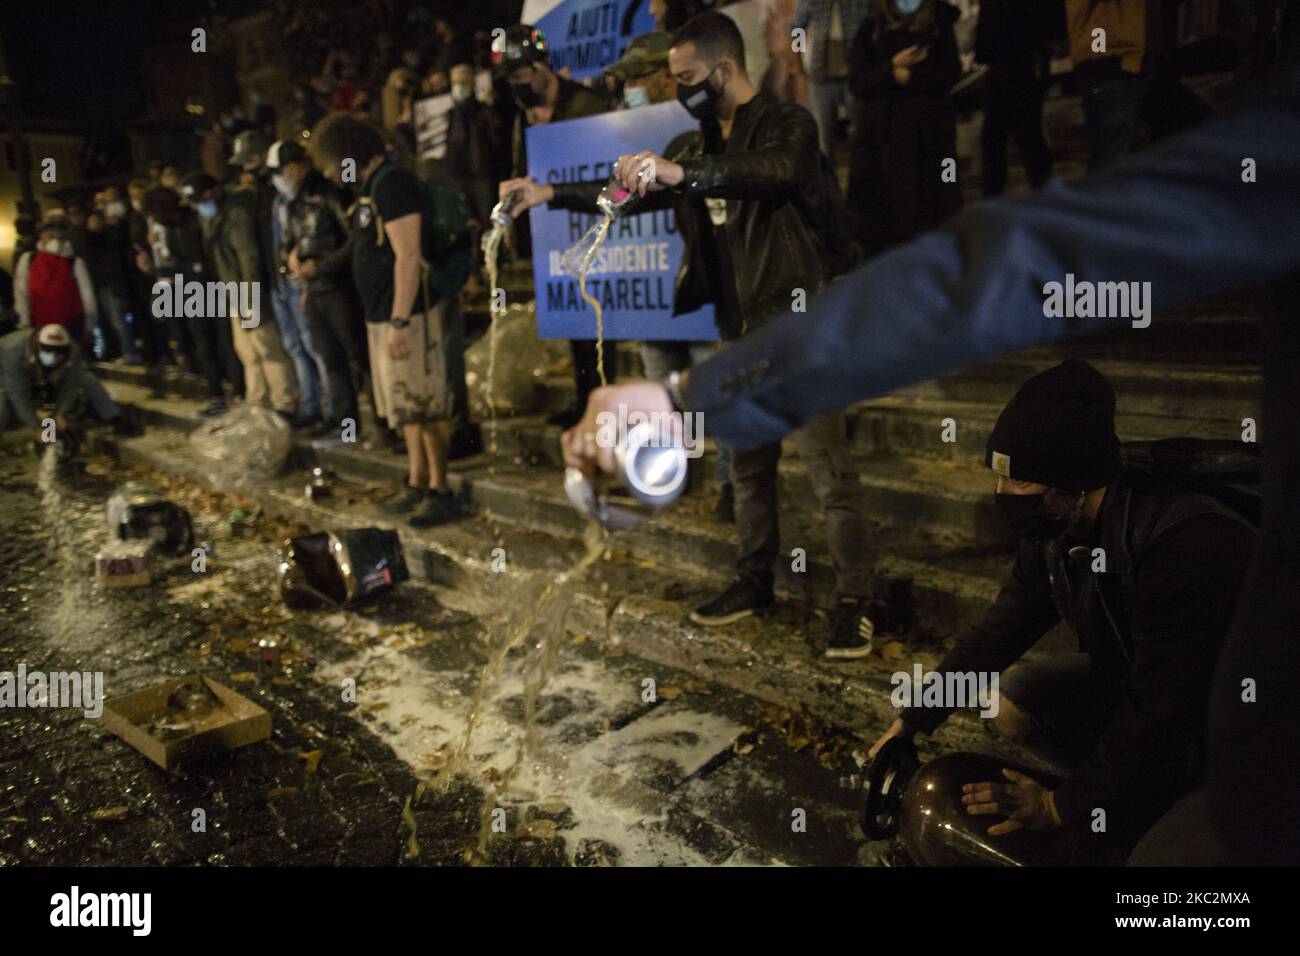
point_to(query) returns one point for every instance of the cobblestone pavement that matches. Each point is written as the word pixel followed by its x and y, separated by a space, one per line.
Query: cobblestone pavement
pixel 597 776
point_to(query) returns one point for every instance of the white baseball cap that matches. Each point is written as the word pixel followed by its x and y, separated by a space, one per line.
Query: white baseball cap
pixel 53 337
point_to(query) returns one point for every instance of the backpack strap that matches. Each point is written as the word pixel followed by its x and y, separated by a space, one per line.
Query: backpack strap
pixel 375 179
pixel 369 198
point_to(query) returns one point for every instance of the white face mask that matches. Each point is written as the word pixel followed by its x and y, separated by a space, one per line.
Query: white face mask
pixel 283 185
pixel 48 359
pixel 116 209
pixel 460 92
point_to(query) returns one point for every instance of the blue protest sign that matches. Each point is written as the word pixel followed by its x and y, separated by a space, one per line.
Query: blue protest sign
pixel 587 35
pixel 634 274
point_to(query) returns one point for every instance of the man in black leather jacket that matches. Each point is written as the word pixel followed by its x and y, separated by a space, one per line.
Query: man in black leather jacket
pixel 765 227
pixel 320 255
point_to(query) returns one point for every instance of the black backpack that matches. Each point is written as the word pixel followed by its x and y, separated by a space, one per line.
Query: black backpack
pixel 446 234
pixel 1228 471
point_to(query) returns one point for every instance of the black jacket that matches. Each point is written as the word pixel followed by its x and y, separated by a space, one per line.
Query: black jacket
pixel 786 228
pixel 106 256
pixel 1012 30
pixel 1153 620
pixel 318 229
pixel 475 141
pixel 573 101
pixel 264 200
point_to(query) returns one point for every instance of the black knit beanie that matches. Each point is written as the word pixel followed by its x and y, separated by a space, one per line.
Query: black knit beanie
pixel 1058 430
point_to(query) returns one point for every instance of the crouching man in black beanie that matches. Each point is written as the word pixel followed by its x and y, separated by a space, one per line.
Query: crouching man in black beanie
pixel 1147 578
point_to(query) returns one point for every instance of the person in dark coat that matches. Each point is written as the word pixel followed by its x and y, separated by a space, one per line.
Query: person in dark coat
pixel 903 64
pixel 1011 40
pixel 475 139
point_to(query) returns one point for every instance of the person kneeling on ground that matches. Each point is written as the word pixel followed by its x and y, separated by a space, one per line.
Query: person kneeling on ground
pixel 1147 578
pixel 42 362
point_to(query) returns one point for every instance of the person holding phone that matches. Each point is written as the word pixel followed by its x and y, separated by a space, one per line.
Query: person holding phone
pixel 903 172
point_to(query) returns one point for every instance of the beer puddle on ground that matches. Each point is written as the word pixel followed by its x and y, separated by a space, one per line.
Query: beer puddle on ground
pixel 612 778
pixel 584 782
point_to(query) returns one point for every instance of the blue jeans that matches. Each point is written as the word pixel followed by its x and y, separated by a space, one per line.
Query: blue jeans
pixel 824 101
pixel 286 300
pixel 112 307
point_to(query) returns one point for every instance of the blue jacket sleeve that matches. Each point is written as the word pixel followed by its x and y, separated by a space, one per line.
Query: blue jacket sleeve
pixel 1180 216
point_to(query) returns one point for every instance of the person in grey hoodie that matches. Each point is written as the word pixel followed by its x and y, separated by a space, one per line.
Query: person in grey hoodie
pixel 45 361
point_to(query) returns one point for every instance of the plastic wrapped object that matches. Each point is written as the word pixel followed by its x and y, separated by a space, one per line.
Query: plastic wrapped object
pixel 340 568
pixel 137 511
pixel 522 360
pixel 247 444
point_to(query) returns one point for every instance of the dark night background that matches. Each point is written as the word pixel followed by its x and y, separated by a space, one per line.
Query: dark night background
pixel 80 60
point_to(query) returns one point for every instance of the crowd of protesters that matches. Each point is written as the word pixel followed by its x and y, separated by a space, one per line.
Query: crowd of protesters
pixel 268 205
pixel 361 246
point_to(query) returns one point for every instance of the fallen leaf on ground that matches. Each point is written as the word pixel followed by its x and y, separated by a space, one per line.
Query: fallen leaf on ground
pixel 313 759
pixel 408 819
pixel 541 829
pixel 670 693
pixel 438 758
pixel 243 677
pixel 109 813
pixel 893 651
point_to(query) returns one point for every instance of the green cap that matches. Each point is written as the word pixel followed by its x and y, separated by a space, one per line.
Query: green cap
pixel 646 54
pixel 248 144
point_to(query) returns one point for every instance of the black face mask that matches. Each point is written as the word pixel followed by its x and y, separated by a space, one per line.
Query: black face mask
pixel 700 99
pixel 525 95
pixel 1029 518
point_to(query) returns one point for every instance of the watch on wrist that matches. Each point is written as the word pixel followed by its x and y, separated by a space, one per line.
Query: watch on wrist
pixel 400 323
pixel 673 383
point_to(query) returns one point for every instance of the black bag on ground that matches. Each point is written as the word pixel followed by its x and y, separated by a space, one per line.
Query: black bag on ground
pixel 340 568
pixel 137 511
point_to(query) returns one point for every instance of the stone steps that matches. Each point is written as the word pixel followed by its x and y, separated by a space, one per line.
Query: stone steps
pixel 624 603
pixel 954 575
